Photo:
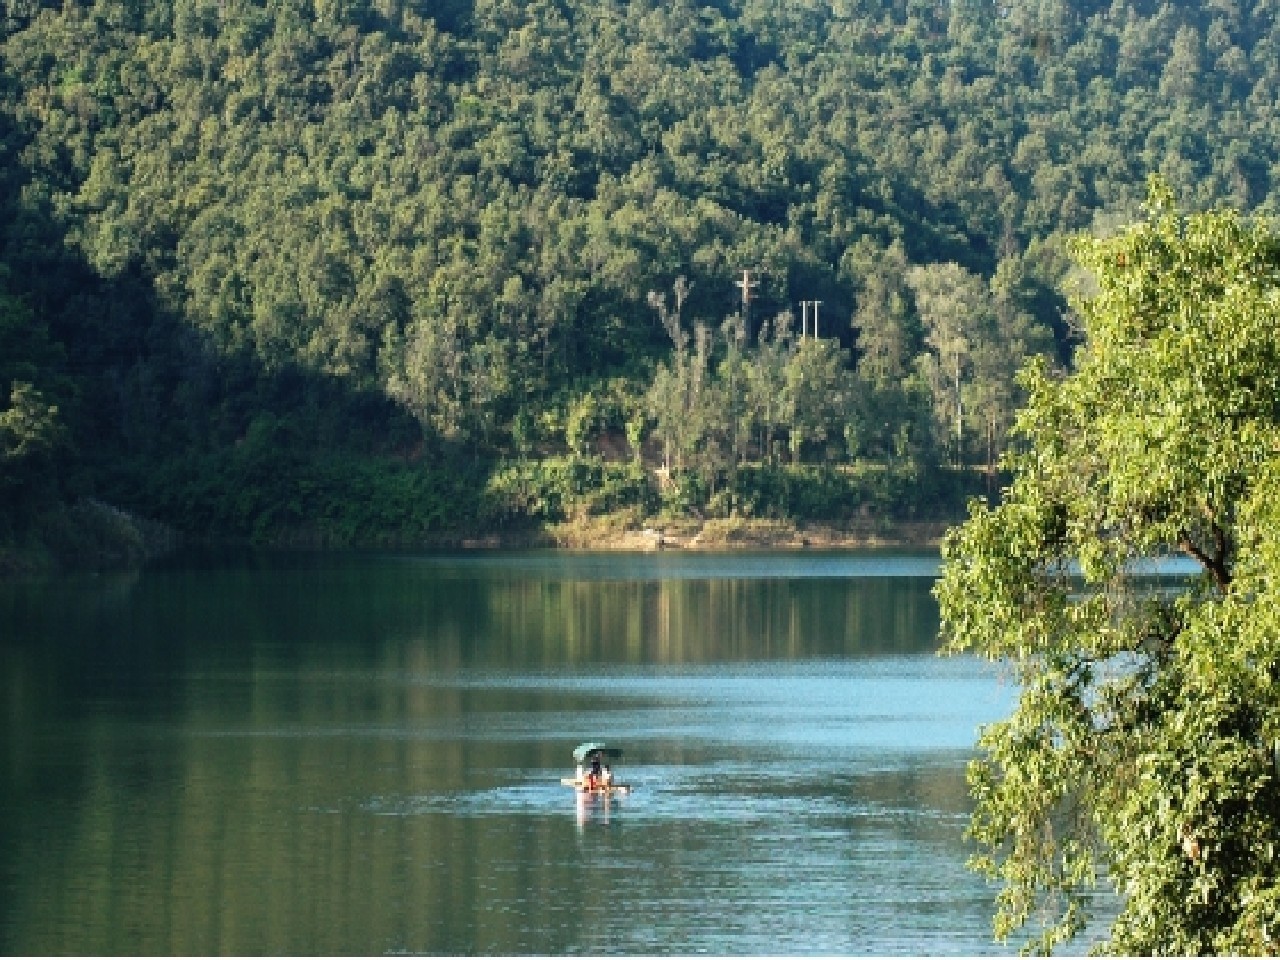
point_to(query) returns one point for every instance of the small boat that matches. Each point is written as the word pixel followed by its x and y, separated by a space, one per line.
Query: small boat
pixel 593 775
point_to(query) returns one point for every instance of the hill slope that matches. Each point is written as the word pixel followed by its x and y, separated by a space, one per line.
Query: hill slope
pixel 361 226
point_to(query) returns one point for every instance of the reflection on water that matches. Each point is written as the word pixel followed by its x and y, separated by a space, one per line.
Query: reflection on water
pixel 678 565
pixel 362 755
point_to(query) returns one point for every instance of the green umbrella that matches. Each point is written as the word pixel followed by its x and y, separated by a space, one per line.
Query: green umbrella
pixel 583 751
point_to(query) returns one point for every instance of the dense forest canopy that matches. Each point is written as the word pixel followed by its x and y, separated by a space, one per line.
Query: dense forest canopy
pixel 387 229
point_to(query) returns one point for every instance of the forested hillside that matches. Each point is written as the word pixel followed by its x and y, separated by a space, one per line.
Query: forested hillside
pixel 369 270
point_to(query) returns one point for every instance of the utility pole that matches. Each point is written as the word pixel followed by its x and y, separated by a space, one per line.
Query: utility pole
pixel 747 285
pixel 804 318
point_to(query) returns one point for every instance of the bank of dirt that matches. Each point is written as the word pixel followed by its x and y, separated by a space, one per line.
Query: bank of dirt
pixel 723 535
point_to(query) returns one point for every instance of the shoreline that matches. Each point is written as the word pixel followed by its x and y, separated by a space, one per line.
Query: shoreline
pixel 124 547
pixel 710 536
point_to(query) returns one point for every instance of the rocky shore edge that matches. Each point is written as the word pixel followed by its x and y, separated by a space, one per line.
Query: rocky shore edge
pixel 711 535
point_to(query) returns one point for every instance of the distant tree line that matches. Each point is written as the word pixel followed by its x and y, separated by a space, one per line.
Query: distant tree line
pixel 357 235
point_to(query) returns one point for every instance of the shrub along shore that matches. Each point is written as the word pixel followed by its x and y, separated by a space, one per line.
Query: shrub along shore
pixel 571 502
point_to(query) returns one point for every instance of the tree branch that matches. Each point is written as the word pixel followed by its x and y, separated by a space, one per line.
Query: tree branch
pixel 1215 563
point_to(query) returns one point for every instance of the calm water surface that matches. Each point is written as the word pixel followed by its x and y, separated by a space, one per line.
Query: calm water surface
pixel 361 754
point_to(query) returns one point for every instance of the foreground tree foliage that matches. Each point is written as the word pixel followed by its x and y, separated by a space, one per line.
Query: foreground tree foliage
pixel 1145 744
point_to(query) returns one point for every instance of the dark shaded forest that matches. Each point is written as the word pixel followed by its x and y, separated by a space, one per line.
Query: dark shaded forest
pixel 375 271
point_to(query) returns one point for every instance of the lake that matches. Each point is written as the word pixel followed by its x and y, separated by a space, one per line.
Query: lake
pixel 360 754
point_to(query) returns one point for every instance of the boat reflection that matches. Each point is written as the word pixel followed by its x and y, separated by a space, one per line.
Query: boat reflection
pixel 595 807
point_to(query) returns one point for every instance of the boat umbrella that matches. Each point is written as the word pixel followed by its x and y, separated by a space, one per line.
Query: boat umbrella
pixel 584 750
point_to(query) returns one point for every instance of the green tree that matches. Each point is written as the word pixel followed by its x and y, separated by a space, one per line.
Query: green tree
pixel 449 386
pixel 28 426
pixel 817 394
pixel 678 402
pixel 33 395
pixel 425 372
pixel 955 311
pixel 737 416
pixel 1144 745
pixel 891 396
pixel 1011 335
pixel 766 383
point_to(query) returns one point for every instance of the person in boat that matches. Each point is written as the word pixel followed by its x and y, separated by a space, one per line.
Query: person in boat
pixel 596 776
